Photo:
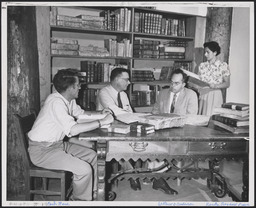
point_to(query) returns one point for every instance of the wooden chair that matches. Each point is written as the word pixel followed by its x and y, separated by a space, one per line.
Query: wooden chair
pixel 24 125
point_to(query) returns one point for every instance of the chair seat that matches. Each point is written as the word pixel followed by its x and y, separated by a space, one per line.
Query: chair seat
pixel 42 172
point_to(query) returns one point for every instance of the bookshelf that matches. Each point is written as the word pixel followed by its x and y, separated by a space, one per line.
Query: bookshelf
pixel 131 37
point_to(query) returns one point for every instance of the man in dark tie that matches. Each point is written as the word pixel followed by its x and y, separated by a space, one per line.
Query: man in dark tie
pixel 177 99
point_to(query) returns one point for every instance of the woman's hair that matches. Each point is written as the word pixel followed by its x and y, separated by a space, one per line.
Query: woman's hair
pixel 116 72
pixel 213 46
pixel 65 78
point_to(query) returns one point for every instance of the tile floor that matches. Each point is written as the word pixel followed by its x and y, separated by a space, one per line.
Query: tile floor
pixel 189 190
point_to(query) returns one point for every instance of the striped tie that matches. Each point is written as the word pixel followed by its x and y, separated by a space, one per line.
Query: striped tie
pixel 173 102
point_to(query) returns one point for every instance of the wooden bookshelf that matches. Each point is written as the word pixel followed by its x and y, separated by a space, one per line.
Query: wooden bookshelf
pixel 91 36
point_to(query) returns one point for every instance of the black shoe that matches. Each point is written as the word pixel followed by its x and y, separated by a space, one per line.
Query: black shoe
pixel 160 184
pixel 135 185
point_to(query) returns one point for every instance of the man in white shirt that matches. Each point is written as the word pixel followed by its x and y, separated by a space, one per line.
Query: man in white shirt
pixel 108 96
pixel 57 120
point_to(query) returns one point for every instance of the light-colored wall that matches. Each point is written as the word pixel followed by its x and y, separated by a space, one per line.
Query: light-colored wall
pixel 239 60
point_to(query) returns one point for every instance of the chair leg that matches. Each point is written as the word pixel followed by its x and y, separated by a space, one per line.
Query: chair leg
pixel 27 188
pixel 45 186
pixel 63 188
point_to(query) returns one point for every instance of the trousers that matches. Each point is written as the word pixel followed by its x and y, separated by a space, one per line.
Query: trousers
pixel 79 160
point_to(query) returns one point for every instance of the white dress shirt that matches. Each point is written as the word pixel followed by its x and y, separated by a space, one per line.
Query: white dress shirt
pixel 55 119
pixel 107 98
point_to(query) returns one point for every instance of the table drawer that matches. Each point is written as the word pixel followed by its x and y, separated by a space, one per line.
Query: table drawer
pixel 217 147
pixel 138 147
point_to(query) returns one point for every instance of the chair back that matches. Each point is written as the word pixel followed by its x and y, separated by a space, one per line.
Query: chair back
pixel 23 126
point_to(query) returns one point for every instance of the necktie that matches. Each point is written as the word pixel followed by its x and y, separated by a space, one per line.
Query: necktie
pixel 120 105
pixel 173 102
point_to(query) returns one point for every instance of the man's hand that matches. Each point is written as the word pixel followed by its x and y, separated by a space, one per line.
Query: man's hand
pixel 107 119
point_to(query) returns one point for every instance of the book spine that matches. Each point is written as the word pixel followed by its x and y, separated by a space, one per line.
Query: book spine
pixel 233 107
pixel 225 120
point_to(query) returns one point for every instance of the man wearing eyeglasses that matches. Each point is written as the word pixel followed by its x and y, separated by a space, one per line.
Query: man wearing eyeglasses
pixel 113 96
pixel 177 99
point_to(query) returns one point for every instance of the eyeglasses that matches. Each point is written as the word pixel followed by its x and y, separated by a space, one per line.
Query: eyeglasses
pixel 126 79
pixel 175 83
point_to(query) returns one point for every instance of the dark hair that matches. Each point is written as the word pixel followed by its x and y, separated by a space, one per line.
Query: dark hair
pixel 180 71
pixel 116 72
pixel 213 46
pixel 64 79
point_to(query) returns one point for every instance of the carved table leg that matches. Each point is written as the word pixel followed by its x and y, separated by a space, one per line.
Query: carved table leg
pixel 245 180
pixel 217 182
pixel 101 156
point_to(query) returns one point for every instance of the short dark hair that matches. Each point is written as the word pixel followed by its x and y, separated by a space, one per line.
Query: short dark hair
pixel 116 72
pixel 65 78
pixel 180 71
pixel 213 46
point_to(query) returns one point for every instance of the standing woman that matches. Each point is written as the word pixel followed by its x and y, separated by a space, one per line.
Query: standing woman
pixel 217 74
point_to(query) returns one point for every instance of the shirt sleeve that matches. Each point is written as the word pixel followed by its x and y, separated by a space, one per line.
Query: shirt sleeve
pixel 76 109
pixel 225 69
pixel 61 115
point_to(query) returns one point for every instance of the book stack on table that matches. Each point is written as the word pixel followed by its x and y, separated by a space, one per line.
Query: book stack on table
pixel 142 129
pixel 233 117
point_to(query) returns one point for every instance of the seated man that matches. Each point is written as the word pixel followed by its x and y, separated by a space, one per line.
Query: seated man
pixel 56 120
pixel 114 98
pixel 177 99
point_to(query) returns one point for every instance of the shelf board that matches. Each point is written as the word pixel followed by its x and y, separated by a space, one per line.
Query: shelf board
pixel 158 59
pixel 155 36
pixel 84 30
pixel 156 82
pixel 89 57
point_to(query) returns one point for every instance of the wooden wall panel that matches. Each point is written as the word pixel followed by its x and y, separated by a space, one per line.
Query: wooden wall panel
pixel 22 87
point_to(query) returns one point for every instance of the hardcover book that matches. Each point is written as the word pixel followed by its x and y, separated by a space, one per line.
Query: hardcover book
pixel 235 106
pixel 230 121
pixel 234 130
pixel 231 111
pixel 120 128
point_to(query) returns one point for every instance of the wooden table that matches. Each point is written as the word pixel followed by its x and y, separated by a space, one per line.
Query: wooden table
pixel 187 144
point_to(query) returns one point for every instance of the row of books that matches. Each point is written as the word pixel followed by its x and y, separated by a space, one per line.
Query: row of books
pixel 142 75
pixel 146 22
pixel 233 117
pixel 119 19
pixel 98 71
pixel 122 48
pixel 87 99
pixel 79 21
pixel 143 98
pixel 144 48
pixel 183 65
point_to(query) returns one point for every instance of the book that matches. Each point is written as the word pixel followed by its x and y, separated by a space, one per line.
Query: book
pixel 142 128
pixel 235 106
pixel 129 118
pixel 230 121
pixel 196 83
pixel 118 127
pixel 235 116
pixel 165 73
pixel 163 121
pixel 64 46
pixel 230 111
pixel 234 130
